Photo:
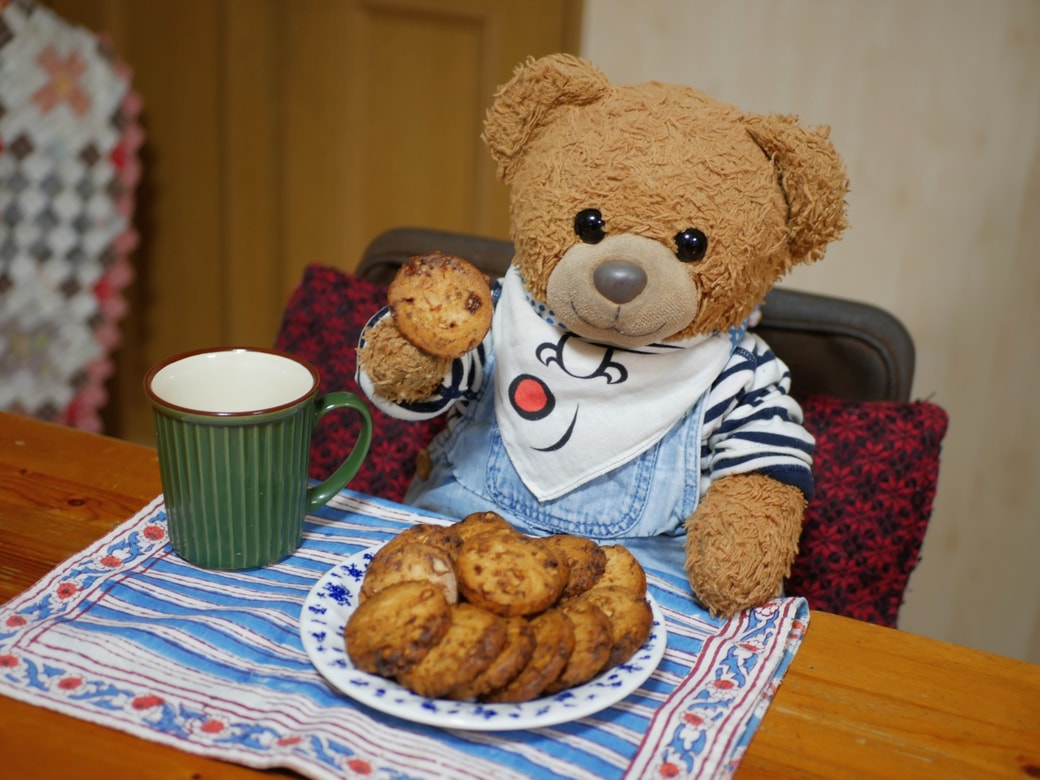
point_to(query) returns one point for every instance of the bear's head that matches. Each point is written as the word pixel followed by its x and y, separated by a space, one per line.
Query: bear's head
pixel 653 212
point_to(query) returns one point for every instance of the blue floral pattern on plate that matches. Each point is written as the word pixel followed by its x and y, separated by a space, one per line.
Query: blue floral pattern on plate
pixel 333 599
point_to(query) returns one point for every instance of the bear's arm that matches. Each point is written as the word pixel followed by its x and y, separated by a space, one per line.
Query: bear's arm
pixel 388 365
pixel 756 480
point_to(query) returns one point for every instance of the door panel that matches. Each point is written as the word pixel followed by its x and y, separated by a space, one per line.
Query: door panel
pixel 286 132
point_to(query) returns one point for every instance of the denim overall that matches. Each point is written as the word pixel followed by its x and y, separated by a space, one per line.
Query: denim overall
pixel 642 504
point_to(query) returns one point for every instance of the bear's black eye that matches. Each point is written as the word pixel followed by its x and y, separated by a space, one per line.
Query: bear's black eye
pixel 690 245
pixel 588 224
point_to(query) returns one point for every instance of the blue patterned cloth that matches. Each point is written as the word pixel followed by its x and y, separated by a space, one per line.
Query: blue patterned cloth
pixel 128 635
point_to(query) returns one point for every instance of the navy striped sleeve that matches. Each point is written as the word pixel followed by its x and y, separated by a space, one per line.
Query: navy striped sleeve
pixel 752 424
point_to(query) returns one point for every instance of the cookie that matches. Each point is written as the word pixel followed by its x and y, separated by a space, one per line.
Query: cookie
pixel 441 304
pixel 397 627
pixel 515 654
pixel 410 562
pixel 630 620
pixel 509 574
pixel 623 570
pixel 585 559
pixel 593 642
pixel 554 642
pixel 473 640
pixel 479 522
pixel 445 537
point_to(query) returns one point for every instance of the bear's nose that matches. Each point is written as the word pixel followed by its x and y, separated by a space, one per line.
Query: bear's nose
pixel 619 281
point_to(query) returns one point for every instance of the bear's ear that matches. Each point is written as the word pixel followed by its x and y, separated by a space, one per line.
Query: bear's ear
pixel 523 103
pixel 812 177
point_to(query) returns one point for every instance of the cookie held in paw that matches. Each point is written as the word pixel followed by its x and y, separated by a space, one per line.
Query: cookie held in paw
pixel 397 627
pixel 441 304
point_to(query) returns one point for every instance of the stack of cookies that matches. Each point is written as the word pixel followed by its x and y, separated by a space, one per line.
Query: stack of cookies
pixel 477 610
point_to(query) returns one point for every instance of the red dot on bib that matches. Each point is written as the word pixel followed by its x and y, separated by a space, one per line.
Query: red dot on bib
pixel 530 397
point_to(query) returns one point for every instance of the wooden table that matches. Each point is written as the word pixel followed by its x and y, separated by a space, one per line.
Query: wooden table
pixel 859 700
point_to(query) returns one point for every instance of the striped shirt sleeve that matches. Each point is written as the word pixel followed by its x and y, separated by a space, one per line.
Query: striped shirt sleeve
pixel 751 422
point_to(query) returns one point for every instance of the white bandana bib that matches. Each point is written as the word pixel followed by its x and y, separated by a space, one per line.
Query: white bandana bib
pixel 570 410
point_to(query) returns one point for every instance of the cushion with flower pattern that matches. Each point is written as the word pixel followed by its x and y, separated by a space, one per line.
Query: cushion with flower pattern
pixel 876 468
pixel 876 464
pixel 321 324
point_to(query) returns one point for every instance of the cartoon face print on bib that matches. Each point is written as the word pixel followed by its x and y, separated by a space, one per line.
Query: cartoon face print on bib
pixel 533 398
pixel 570 410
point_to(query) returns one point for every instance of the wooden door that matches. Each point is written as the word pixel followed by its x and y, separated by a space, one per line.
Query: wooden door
pixel 286 132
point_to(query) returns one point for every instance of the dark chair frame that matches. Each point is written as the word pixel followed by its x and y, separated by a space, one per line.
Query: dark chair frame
pixel 833 346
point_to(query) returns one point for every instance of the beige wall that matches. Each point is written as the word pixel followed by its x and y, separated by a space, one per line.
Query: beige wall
pixel 935 105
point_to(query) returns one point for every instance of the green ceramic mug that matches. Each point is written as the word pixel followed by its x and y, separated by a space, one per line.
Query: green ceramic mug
pixel 234 428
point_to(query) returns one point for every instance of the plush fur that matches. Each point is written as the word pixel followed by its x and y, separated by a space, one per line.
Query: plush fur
pixel 656 160
pixel 398 369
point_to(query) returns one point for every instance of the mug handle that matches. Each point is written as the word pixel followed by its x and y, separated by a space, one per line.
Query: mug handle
pixel 319 495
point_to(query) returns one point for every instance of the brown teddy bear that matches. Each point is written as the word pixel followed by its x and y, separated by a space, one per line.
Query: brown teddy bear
pixel 619 393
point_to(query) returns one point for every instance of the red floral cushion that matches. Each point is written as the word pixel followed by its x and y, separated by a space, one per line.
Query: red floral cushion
pixel 321 324
pixel 876 463
pixel 876 469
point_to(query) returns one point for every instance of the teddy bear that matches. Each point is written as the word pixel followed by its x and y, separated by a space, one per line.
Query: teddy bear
pixel 620 391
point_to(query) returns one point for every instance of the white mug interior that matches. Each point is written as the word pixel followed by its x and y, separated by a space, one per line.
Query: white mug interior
pixel 232 381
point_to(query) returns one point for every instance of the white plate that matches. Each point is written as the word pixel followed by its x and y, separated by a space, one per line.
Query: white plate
pixel 333 599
